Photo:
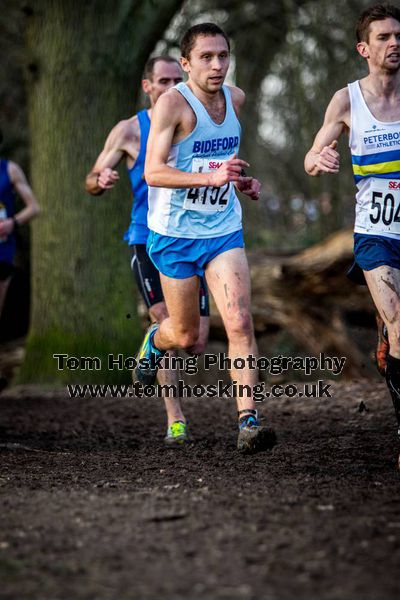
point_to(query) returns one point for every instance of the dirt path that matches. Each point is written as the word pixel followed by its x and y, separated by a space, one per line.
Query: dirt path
pixel 94 507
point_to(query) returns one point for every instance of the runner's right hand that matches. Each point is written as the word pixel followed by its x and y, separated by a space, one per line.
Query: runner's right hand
pixel 229 171
pixel 107 178
pixel 329 159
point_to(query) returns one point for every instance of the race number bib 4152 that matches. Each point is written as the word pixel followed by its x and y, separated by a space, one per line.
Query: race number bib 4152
pixel 207 199
pixel 384 206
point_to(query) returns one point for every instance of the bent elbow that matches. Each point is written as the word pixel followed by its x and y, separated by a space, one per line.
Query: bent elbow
pixel 34 209
pixel 150 177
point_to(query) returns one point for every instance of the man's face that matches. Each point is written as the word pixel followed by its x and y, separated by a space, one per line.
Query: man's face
pixel 208 62
pixel 165 76
pixel 383 47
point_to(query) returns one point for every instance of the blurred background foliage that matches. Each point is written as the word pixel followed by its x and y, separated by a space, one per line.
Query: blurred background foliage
pixel 290 56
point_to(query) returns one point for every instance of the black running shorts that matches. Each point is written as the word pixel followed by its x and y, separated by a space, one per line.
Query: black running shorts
pixel 148 280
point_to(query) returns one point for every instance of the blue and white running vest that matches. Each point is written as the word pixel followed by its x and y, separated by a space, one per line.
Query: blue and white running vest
pixel 375 153
pixel 205 212
pixel 138 230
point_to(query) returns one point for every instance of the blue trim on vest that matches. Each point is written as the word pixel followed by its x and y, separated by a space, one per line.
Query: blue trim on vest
pixel 7 248
pixel 138 231
pixel 393 175
pixel 373 159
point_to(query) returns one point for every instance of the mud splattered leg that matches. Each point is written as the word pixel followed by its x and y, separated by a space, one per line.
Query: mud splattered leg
pixel 384 285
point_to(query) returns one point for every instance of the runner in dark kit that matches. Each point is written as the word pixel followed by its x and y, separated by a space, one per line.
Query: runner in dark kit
pixel 12 180
pixel 128 140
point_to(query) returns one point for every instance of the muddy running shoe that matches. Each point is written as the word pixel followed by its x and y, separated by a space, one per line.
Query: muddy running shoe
pixel 382 348
pixel 252 436
pixel 177 434
pixel 146 370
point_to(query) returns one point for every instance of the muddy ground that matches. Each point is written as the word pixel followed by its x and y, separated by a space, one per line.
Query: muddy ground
pixel 94 507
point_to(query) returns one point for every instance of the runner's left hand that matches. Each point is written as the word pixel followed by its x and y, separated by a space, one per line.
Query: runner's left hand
pixel 249 186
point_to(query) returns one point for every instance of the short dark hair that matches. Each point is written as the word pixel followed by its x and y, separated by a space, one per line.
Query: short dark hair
pixel 205 29
pixel 149 66
pixel 377 12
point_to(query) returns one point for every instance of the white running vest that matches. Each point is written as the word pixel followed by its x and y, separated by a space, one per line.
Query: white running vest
pixel 375 153
pixel 206 212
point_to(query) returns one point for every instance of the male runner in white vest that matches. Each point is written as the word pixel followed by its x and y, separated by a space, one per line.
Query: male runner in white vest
pixel 369 111
pixel 195 217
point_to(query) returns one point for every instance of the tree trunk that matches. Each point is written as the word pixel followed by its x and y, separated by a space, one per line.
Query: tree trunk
pixel 85 73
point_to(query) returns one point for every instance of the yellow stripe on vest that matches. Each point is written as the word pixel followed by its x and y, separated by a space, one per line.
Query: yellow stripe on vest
pixel 378 168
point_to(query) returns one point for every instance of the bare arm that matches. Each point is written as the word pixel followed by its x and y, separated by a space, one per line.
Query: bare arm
pixel 103 175
pixel 323 156
pixel 24 190
pixel 166 119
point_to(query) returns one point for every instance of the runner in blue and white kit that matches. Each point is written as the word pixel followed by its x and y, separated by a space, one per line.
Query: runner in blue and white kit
pixel 195 216
pixel 128 140
pixel 369 110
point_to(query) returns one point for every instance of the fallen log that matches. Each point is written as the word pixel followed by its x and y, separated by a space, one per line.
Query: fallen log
pixel 309 296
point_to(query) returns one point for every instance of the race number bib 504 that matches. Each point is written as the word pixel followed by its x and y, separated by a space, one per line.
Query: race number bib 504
pixel 207 199
pixel 384 206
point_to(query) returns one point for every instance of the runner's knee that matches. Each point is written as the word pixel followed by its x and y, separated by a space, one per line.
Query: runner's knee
pixel 239 325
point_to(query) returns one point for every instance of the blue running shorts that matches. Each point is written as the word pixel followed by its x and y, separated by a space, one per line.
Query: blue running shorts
pixel 372 251
pixel 181 258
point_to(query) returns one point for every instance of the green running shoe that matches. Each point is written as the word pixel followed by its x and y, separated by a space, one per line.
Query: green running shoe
pixel 252 436
pixel 177 434
pixel 148 358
